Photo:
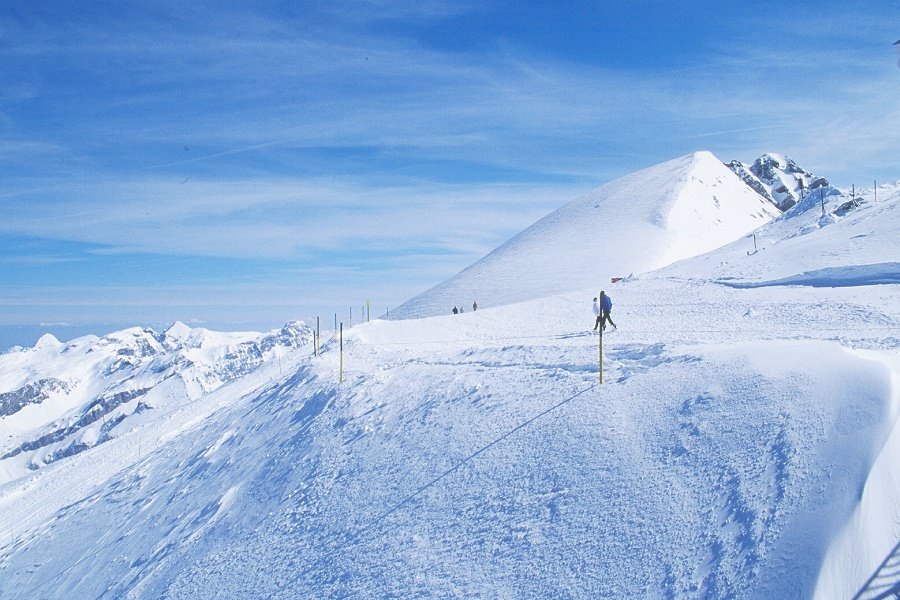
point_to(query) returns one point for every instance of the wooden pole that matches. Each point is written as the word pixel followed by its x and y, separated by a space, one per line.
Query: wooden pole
pixel 600 353
pixel 318 336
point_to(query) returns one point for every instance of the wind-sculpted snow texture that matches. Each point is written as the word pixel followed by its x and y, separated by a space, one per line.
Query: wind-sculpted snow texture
pixel 743 445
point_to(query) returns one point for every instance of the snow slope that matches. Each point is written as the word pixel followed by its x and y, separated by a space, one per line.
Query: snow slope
pixel 476 456
pixel 643 221
pixel 812 248
pixel 743 444
pixel 58 400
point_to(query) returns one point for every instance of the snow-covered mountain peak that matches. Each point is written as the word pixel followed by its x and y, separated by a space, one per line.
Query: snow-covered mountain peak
pixel 177 331
pixel 769 163
pixel 643 221
pixel 292 331
pixel 134 341
pixel 48 340
pixel 182 336
pixel 780 179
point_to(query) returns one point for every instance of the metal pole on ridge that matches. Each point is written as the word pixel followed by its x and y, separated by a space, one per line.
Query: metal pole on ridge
pixel 341 378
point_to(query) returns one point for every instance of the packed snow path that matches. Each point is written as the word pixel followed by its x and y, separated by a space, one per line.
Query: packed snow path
pixel 475 455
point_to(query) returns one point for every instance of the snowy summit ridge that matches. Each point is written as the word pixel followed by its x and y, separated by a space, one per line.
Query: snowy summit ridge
pixel 637 223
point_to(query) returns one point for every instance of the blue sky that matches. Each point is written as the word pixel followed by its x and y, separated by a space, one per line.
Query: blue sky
pixel 235 165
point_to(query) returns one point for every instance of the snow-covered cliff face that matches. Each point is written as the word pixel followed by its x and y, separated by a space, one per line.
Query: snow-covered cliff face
pixel 779 179
pixel 58 399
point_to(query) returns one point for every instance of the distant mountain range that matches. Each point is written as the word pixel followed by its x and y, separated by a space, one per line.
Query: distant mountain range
pixel 60 399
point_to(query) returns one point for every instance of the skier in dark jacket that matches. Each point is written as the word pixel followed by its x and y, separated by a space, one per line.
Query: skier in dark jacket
pixel 455 311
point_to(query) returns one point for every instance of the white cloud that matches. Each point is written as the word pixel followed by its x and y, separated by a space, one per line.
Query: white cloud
pixel 281 219
pixel 253 98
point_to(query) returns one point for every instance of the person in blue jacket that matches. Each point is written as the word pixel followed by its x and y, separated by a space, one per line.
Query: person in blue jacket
pixel 605 309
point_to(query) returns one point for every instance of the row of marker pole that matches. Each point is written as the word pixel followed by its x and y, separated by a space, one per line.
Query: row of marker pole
pixel 317 343
pixel 340 329
pixel 368 313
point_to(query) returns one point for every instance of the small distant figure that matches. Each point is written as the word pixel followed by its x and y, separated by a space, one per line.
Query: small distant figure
pixel 460 309
pixel 474 306
pixel 455 311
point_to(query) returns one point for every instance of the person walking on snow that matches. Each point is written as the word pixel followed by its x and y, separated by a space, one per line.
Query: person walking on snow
pixel 474 306
pixel 605 309
pixel 596 314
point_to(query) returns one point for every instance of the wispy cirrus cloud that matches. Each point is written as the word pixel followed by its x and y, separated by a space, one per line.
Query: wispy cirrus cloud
pixel 169 153
pixel 279 219
pixel 248 85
